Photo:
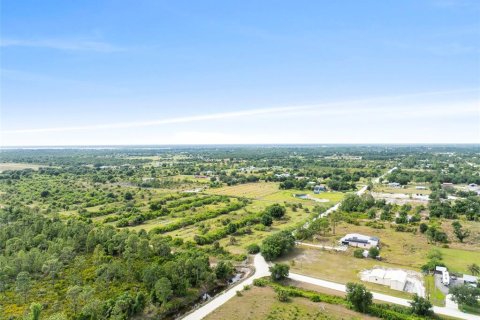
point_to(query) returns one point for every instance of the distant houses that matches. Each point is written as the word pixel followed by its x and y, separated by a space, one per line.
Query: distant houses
pixel 319 188
pixel 447 185
pixel 360 240
pixel 473 187
pixel 394 185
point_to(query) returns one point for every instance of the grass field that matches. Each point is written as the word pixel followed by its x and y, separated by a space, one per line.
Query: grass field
pixel 248 190
pixel 410 250
pixel 18 166
pixel 408 189
pixel 261 303
pixel 340 267
pixel 457 260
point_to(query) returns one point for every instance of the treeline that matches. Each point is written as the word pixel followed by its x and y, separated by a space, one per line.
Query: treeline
pixel 462 175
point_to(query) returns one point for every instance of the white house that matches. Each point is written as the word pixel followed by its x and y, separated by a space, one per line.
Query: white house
pixel 473 187
pixel 360 240
pixel 318 188
pixel 394 185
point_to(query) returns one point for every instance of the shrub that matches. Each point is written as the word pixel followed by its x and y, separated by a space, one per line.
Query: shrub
pixel 423 227
pixel 358 253
pixel 282 295
pixel 279 271
pixel 253 248
pixel 260 282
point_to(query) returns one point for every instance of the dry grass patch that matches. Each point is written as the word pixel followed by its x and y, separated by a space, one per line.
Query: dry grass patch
pixel 261 303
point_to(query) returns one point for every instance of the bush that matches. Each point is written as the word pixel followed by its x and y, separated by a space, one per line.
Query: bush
pixel 423 227
pixel 276 211
pixel 253 248
pixel 358 253
pixel 279 271
pixel 282 295
pixel 260 282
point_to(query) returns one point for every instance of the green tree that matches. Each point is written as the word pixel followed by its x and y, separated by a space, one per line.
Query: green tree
pixel 373 252
pixel 276 211
pixel 223 270
pixel 23 284
pixel 321 225
pixel 359 296
pixel 465 294
pixel 279 271
pixel 277 244
pixel 35 310
pixel 423 227
pixel 421 306
pixel 73 297
pixel 266 220
pixel 163 289
pixel 474 269
pixel 52 268
pixel 459 232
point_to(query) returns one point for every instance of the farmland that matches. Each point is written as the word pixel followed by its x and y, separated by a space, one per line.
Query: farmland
pixel 122 227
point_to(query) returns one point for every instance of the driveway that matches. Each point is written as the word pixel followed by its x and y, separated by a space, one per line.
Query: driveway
pixel 261 270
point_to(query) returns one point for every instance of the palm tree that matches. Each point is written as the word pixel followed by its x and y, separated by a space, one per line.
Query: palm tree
pixel 474 269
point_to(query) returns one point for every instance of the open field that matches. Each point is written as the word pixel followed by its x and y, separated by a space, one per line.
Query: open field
pixel 340 267
pixel 396 246
pixel 257 190
pixel 408 189
pixel 18 166
pixel 261 303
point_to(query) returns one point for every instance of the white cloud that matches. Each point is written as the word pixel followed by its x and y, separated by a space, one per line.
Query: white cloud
pixel 61 44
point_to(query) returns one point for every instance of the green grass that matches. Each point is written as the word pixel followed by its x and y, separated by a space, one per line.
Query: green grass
pixel 457 260
pixel 470 309
pixel 340 267
pixel 436 297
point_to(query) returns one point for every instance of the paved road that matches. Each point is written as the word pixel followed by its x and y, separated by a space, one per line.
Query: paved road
pixel 359 192
pixel 261 270
pixel 447 311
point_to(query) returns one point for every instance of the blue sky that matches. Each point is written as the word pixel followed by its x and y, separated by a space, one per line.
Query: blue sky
pixel 188 72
